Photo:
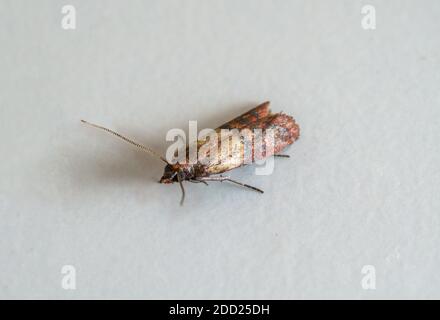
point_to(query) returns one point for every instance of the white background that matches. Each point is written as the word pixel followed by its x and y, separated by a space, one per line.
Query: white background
pixel 361 186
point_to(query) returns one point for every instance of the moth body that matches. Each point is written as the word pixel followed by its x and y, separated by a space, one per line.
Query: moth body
pixel 207 168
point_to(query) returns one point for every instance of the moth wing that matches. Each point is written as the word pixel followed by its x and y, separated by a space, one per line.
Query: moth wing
pixel 250 119
pixel 285 132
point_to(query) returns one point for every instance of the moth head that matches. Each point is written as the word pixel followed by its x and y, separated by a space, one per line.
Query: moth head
pixel 174 173
pixel 170 173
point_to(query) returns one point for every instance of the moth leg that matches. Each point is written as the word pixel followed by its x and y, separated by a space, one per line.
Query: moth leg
pixel 198 181
pixel 182 188
pixel 221 179
pixel 281 155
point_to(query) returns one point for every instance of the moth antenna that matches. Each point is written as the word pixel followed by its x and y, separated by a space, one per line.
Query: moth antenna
pixel 182 188
pixel 144 148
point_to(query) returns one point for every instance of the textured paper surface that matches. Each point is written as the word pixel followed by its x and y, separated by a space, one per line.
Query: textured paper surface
pixel 361 187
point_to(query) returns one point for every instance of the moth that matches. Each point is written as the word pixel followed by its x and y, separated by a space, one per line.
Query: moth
pixel 286 131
